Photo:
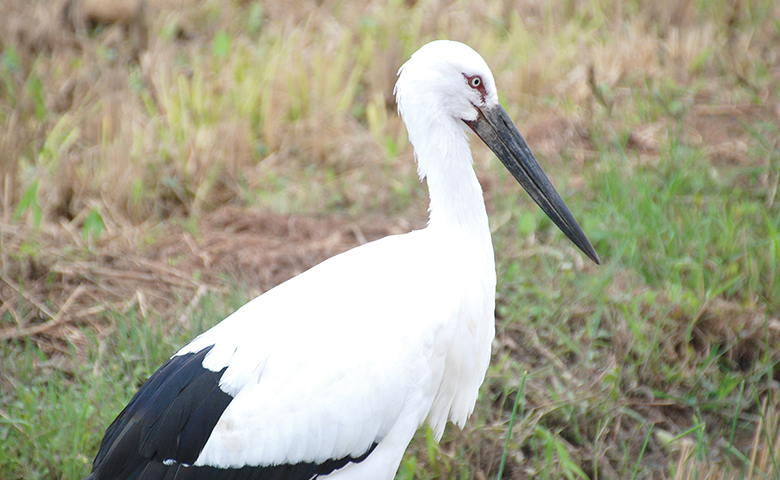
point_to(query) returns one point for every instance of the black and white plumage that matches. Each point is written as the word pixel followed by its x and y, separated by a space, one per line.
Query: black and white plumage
pixel 330 374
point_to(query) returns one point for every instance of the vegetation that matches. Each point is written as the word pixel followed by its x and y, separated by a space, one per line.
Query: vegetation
pixel 162 164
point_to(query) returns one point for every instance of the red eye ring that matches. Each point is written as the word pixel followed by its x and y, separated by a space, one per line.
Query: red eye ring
pixel 476 82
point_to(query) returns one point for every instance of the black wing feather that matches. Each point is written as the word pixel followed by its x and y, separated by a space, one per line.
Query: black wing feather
pixel 171 418
pixel 193 435
pixel 151 425
pixel 299 471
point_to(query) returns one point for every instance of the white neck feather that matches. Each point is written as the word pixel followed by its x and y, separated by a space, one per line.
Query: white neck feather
pixel 444 159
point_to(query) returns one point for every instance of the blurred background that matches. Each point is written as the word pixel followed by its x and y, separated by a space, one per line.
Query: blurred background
pixel 164 161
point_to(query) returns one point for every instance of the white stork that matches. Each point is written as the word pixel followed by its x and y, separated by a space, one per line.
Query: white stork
pixel 330 374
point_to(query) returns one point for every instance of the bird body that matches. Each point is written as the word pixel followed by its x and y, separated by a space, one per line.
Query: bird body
pixel 329 374
pixel 332 385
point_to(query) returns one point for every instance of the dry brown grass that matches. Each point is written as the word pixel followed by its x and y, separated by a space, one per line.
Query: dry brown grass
pixel 71 281
pixel 197 162
pixel 694 464
pixel 124 112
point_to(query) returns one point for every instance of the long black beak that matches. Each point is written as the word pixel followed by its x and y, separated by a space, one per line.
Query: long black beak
pixel 497 130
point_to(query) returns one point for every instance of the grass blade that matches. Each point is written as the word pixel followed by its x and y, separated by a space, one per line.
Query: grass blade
pixel 734 423
pixel 642 452
pixel 511 426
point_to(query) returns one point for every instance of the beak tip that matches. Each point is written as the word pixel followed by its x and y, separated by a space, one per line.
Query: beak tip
pixel 587 248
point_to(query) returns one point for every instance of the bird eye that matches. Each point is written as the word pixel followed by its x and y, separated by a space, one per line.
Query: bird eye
pixel 475 81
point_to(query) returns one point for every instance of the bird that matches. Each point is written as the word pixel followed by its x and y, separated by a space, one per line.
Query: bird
pixel 330 374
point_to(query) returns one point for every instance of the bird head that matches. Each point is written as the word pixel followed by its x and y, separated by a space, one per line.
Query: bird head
pixel 445 77
pixel 447 83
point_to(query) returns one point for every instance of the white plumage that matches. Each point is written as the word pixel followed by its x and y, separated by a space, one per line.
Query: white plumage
pixel 353 355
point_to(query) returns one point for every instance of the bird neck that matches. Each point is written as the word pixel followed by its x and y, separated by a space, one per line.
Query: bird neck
pixel 456 200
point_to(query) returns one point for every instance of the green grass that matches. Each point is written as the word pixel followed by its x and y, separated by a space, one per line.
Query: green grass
pixel 684 252
pixel 52 424
pixel 656 122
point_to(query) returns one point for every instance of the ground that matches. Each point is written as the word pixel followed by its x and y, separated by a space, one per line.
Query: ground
pixel 164 161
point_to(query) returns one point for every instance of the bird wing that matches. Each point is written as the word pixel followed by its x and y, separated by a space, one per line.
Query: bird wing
pixel 300 381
